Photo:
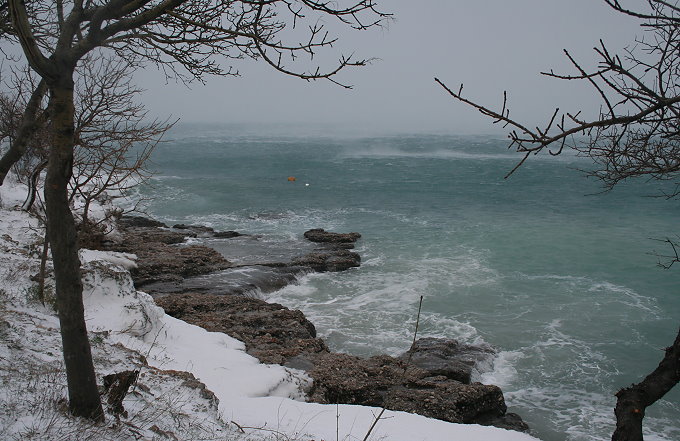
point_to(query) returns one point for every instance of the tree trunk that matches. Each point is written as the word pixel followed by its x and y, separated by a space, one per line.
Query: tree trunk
pixel 26 129
pixel 632 401
pixel 61 229
pixel 33 186
pixel 43 265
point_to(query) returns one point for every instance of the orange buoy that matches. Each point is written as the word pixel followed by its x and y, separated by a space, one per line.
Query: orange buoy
pixel 291 178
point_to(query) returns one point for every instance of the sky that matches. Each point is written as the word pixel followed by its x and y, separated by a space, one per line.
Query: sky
pixel 489 45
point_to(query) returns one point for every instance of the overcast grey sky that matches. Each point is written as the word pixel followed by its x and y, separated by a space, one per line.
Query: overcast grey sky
pixel 489 45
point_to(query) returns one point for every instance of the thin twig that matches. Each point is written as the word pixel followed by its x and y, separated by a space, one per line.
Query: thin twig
pixel 375 421
pixel 415 335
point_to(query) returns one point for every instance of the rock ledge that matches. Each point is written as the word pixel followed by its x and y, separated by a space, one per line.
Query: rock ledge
pixel 432 379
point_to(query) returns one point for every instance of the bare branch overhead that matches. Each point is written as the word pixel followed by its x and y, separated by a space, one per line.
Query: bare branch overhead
pixel 637 130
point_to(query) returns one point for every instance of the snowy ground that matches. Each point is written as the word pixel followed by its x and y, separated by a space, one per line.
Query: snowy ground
pixel 128 331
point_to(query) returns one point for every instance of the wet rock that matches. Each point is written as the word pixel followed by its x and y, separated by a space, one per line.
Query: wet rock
pixel 389 382
pixel 161 256
pixel 319 235
pixel 334 255
pixel 183 262
pixel 329 260
pixel 509 421
pixel 346 379
pixel 198 228
pixel 203 231
pixel 167 266
pixel 226 234
pixel 447 400
pixel 159 262
pixel 449 358
pixel 240 281
pixel 303 362
pixel 138 237
pixel 139 221
pixel 271 332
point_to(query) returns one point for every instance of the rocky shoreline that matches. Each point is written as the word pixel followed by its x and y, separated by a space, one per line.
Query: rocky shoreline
pixel 199 285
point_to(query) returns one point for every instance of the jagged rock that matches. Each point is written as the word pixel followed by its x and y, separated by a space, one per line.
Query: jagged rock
pixel 159 257
pixel 226 234
pixel 197 228
pixel 239 281
pixel 203 231
pixel 158 262
pixel 509 421
pixel 389 382
pixel 330 260
pixel 446 357
pixel 169 270
pixel 346 379
pixel 444 399
pixel 334 256
pixel 319 235
pixel 271 332
pixel 145 236
pixel 139 221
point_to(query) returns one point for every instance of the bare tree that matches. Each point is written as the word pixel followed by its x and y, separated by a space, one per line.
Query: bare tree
pixel 113 138
pixel 187 38
pixel 636 134
pixel 22 122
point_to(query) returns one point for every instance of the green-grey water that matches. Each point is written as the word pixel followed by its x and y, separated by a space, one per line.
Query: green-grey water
pixel 563 281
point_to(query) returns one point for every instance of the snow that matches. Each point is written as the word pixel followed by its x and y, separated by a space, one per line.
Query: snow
pixel 12 193
pixel 126 260
pixel 128 331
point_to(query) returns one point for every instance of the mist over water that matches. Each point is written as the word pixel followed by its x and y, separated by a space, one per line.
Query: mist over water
pixel 556 277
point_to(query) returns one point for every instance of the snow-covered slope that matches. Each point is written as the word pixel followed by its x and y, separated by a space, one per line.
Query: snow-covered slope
pixel 129 331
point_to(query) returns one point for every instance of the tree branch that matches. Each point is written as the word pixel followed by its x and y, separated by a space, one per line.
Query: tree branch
pixel 632 401
pixel 29 123
pixel 28 42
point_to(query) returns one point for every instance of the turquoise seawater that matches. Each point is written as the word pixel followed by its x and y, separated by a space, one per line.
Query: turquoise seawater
pixel 559 277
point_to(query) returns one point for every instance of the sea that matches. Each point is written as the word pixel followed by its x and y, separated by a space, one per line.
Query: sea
pixel 559 276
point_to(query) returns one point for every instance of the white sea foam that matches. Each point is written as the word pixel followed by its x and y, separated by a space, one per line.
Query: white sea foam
pixel 387 151
pixel 491 150
pixel 504 370
pixel 610 298
pixel 628 296
pixel 585 416
pixel 346 309
pixel 166 178
pixel 399 217
pixel 580 412
pixel 285 223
